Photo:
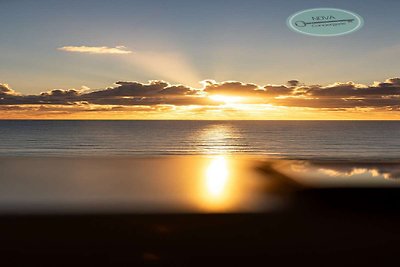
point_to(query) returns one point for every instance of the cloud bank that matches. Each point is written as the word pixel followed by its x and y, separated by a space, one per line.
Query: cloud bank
pixel 381 96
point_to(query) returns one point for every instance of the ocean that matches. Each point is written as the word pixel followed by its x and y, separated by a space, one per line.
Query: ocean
pixel 372 140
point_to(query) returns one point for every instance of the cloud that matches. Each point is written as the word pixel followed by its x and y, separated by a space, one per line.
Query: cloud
pixel 153 88
pixel 231 88
pixel 350 89
pixel 278 90
pixel 293 83
pixel 389 170
pixel 343 95
pixel 96 49
pixel 5 90
pixel 123 93
pixel 235 88
pixel 152 93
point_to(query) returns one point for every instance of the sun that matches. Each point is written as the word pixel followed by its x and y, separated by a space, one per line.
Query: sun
pixel 226 99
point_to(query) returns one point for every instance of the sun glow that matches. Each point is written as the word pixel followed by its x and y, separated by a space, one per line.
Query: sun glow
pixel 226 99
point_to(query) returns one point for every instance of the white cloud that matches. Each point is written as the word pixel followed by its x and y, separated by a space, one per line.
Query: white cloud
pixel 96 49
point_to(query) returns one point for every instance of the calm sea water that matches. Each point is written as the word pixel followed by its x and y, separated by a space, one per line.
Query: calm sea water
pixel 377 140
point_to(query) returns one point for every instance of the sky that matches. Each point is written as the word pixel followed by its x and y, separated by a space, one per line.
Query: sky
pixel 80 47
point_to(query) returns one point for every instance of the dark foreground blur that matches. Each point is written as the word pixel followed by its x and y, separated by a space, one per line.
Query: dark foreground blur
pixel 323 213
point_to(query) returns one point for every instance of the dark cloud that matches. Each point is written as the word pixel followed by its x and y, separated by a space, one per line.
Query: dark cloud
pixel 154 88
pixel 351 91
pixel 58 93
pixel 383 95
pixel 293 83
pixel 388 88
pixel 281 90
pixel 125 93
pixel 231 88
pixel 336 102
pixel 135 93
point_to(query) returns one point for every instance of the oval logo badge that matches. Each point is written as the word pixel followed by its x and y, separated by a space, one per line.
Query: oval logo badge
pixel 325 22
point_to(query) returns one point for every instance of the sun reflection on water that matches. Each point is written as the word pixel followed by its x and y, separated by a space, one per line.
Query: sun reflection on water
pixel 217 184
pixel 217 177
pixel 219 139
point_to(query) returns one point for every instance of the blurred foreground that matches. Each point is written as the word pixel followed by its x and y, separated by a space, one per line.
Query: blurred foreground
pixel 197 211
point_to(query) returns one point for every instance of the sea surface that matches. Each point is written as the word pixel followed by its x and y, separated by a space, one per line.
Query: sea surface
pixel 354 140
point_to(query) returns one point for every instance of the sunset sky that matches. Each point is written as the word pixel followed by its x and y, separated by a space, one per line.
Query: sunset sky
pixel 129 59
